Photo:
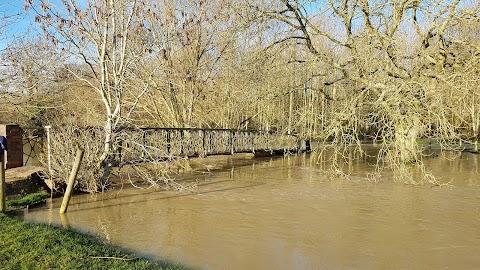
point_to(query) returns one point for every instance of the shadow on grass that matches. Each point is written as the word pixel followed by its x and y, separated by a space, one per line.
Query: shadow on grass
pixel 37 246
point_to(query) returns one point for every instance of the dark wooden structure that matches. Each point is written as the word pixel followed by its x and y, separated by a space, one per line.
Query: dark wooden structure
pixel 14 154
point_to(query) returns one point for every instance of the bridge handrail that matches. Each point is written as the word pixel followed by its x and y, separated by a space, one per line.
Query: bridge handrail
pixel 176 129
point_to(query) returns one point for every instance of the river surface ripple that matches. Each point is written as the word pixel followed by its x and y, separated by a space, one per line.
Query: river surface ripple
pixel 285 213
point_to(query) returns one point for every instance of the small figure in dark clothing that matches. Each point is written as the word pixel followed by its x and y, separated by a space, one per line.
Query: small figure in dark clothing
pixel 3 144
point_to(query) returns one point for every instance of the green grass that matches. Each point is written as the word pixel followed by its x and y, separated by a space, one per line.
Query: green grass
pixel 26 245
pixel 30 199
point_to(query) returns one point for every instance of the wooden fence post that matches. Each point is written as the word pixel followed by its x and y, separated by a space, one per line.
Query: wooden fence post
pixel 49 151
pixel 71 181
pixel 3 207
pixel 3 185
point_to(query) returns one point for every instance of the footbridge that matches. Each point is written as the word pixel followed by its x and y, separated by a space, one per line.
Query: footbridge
pixel 187 142
pixel 150 143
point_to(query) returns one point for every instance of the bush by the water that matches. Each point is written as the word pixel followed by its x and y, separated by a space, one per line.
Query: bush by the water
pixel 63 152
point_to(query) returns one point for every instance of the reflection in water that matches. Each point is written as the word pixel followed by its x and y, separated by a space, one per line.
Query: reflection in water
pixel 285 214
pixel 64 220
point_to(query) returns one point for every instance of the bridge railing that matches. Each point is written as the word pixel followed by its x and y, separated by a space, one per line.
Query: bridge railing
pixel 141 144
pixel 155 143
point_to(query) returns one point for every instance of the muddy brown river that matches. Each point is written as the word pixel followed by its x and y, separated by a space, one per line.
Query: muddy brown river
pixel 285 213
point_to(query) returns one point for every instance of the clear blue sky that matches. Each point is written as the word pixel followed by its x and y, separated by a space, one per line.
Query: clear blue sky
pixel 17 22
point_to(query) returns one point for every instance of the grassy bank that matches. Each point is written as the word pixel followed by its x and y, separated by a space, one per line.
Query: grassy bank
pixel 30 199
pixel 25 245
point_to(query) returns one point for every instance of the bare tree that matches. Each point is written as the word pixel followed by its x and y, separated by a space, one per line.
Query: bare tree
pixel 103 35
pixel 381 79
pixel 189 39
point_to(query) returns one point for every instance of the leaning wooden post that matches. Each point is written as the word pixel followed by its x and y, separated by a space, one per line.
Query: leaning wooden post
pixel 71 181
pixel 3 148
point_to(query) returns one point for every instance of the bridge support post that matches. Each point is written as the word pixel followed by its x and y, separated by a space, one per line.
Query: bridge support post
pixel 231 135
pixel 144 141
pixel 182 143
pixel 269 141
pixel 204 147
pixel 169 147
pixel 252 135
pixel 308 148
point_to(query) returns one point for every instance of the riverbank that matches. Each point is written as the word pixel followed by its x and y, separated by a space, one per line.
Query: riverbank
pixel 36 246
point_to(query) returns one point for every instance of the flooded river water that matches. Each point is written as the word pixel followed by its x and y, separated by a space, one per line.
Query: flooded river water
pixel 284 213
